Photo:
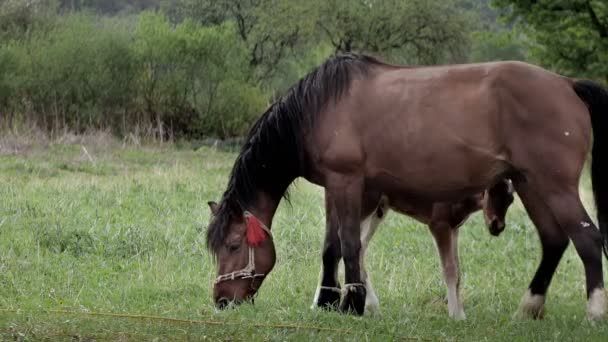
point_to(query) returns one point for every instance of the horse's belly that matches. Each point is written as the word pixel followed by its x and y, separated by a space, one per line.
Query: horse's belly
pixel 419 210
pixel 448 178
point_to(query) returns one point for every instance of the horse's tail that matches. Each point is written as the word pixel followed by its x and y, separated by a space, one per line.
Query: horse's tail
pixel 596 98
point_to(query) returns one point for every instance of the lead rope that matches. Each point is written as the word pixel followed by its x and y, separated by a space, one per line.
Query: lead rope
pixel 351 287
pixel 331 288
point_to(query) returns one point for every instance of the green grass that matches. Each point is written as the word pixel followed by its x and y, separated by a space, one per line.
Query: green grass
pixel 122 231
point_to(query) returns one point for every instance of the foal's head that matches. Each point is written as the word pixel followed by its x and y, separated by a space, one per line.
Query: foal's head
pixel 244 250
pixel 496 201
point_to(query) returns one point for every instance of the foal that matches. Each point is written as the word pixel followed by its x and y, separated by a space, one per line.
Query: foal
pixel 443 219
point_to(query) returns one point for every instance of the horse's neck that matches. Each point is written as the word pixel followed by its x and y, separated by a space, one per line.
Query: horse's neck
pixel 264 207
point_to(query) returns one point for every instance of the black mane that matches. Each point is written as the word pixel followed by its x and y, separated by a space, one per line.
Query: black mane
pixel 274 152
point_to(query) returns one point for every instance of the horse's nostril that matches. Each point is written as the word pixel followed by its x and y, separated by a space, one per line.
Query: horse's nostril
pixel 222 303
pixel 496 227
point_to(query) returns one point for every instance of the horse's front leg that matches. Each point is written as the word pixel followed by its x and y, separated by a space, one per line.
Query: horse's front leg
pixel 328 292
pixel 346 194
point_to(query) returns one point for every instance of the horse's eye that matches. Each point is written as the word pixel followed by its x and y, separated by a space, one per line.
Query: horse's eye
pixel 234 247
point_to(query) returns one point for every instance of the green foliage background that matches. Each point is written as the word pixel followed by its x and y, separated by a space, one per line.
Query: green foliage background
pixel 207 68
pixel 568 36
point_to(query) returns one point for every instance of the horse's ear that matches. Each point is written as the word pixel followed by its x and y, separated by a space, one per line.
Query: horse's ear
pixel 213 206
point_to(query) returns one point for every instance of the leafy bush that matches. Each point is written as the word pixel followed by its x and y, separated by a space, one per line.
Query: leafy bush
pixel 88 72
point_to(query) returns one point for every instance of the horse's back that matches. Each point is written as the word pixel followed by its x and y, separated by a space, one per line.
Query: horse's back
pixel 465 125
pixel 425 121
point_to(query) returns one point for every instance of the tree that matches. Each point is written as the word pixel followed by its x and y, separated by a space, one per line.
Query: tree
pixel 421 31
pixel 18 17
pixel 110 6
pixel 192 78
pixel 493 39
pixel 270 29
pixel 571 35
pixel 499 45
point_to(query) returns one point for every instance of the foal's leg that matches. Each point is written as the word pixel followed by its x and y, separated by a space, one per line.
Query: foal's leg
pixel 568 212
pixel 346 195
pixel 328 292
pixel 446 239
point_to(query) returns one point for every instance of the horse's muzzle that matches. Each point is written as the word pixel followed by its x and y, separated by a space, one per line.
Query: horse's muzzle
pixel 222 303
pixel 496 227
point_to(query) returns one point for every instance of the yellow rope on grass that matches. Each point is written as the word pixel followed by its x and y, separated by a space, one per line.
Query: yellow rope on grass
pixel 202 322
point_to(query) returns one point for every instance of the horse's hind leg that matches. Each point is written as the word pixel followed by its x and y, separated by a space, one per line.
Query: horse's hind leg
pixel 587 240
pixel 557 214
pixel 446 239
pixel 553 242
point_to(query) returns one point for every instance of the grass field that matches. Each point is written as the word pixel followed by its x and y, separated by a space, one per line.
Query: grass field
pixel 114 229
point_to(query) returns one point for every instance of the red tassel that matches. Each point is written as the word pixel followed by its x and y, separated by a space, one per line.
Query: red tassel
pixel 255 232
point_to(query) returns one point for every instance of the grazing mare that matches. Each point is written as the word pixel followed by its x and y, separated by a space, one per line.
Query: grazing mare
pixel 443 219
pixel 420 135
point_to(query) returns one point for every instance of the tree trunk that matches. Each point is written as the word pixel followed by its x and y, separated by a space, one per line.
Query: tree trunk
pixel 159 123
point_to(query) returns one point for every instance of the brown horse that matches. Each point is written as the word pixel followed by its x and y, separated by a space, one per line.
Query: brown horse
pixel 420 135
pixel 443 219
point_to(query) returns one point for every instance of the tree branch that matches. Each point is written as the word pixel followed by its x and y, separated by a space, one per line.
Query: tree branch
pixel 602 30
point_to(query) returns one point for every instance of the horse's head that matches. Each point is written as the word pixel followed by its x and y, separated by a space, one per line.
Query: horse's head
pixel 244 253
pixel 496 201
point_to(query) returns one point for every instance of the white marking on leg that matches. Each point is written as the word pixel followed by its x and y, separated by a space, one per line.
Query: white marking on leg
pixel 532 306
pixel 597 307
pixel 585 224
pixel 455 309
pixel 459 313
pixel 448 254
pixel 371 300
pixel 318 292
pixel 372 305
pixel 368 227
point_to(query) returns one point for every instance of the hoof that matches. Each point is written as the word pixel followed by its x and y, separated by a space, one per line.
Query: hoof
pixel 372 306
pixel 455 309
pixel 597 307
pixel 532 306
pixel 354 300
pixel 329 298
pixel 458 315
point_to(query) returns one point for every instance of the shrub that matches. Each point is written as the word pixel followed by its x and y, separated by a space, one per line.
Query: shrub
pixel 88 72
